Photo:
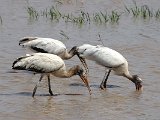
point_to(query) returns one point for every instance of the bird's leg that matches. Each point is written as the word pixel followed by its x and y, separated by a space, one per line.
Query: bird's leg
pixel 35 88
pixel 49 85
pixel 102 85
pixel 105 74
pixel 104 82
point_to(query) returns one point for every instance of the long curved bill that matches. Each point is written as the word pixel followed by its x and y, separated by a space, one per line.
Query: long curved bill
pixel 84 79
pixel 83 63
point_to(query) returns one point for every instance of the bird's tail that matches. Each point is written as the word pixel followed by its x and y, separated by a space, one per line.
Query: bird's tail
pixel 17 64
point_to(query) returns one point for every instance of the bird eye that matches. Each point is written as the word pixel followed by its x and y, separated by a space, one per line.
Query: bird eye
pixel 83 51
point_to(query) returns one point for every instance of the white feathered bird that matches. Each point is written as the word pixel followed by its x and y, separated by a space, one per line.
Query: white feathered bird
pixel 47 64
pixel 49 45
pixel 46 45
pixel 111 60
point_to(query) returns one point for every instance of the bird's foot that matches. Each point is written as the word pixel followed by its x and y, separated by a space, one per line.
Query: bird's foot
pixel 103 86
pixel 51 93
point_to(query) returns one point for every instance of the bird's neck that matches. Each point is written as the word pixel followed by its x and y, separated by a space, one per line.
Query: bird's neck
pixel 129 76
pixel 67 73
pixel 72 71
pixel 67 55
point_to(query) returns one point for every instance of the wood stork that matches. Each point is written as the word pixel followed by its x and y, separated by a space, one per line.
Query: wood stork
pixel 46 64
pixel 111 60
pixel 46 45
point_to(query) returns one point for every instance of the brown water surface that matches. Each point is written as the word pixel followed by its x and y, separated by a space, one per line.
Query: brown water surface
pixel 138 40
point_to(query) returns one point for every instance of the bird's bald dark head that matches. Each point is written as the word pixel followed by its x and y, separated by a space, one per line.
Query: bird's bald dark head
pixel 73 50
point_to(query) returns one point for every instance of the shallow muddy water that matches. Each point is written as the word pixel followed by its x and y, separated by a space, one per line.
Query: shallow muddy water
pixel 137 39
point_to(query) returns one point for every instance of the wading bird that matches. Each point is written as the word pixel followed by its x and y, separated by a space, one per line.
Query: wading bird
pixel 110 59
pixel 46 45
pixel 47 64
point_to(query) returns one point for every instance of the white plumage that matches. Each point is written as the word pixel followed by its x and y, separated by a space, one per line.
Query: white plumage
pixel 47 64
pixel 110 59
pixel 46 45
pixel 101 55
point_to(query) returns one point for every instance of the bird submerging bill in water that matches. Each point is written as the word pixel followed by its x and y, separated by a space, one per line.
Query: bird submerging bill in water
pixel 46 64
pixel 110 59
pixel 103 56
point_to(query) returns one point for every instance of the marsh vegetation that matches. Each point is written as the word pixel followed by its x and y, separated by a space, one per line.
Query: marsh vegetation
pixel 80 18
pixel 100 17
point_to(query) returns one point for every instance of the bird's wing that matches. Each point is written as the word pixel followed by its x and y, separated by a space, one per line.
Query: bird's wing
pixel 102 55
pixel 39 62
pixel 108 57
pixel 45 45
pixel 52 46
